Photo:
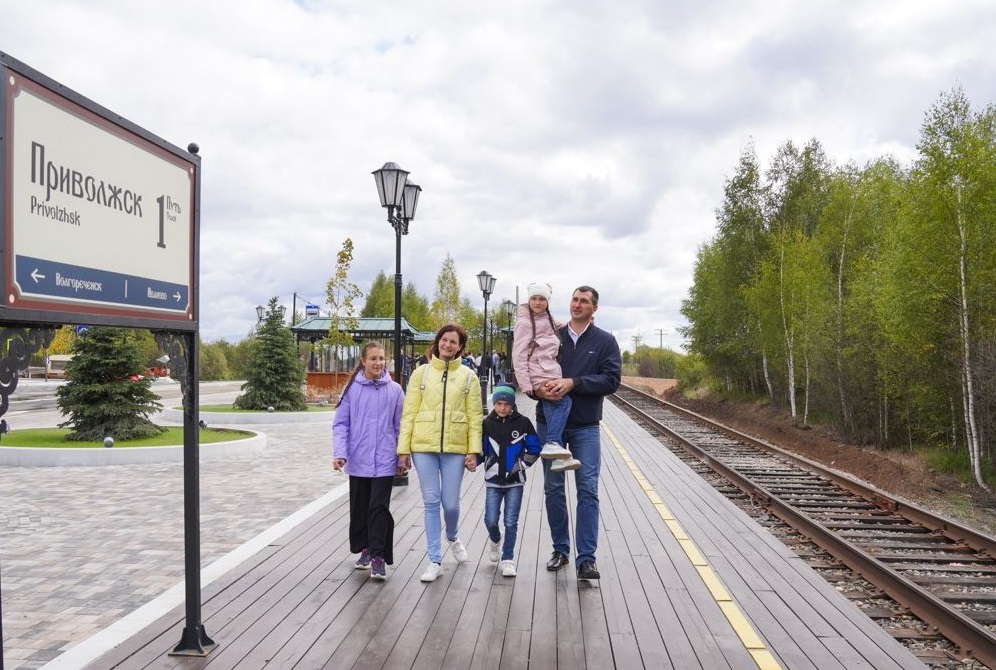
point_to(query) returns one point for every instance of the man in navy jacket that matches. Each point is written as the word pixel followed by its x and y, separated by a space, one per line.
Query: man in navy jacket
pixel 592 367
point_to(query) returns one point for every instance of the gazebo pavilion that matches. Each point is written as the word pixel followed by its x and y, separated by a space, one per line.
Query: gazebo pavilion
pixel 327 367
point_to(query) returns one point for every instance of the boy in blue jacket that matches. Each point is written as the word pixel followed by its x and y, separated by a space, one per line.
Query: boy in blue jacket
pixel 510 445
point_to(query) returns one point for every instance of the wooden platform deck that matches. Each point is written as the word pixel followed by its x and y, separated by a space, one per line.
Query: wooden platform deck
pixel 688 582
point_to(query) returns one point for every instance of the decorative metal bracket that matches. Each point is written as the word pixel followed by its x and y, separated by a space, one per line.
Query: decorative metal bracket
pixel 18 344
pixel 399 224
pixel 175 346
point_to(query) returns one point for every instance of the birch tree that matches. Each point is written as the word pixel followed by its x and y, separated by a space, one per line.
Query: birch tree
pixel 446 299
pixel 341 294
pixel 954 197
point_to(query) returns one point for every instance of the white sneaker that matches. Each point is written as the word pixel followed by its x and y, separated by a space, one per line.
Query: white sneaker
pixel 507 568
pixel 494 551
pixel 460 551
pixel 565 464
pixel 553 450
pixel 431 572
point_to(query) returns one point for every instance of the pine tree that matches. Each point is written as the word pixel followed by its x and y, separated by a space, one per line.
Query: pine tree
pixel 274 374
pixel 104 394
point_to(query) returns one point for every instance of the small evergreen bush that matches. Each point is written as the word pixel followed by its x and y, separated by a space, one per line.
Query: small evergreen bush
pixel 104 394
pixel 274 374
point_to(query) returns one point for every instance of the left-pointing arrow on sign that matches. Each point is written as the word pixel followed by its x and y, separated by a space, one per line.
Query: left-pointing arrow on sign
pixel 36 275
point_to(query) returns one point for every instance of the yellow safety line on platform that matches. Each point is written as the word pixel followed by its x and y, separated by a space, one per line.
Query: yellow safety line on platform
pixel 741 626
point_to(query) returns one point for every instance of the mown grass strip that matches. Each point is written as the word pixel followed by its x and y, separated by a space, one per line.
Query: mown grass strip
pixel 56 438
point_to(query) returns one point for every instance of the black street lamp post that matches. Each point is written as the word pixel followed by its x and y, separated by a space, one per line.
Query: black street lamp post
pixel 261 312
pixel 400 197
pixel 487 284
pixel 509 311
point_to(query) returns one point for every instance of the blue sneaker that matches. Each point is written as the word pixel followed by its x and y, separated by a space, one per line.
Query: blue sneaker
pixel 378 569
pixel 363 562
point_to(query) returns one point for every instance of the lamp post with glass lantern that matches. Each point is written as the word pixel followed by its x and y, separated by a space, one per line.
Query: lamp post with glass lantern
pixel 400 197
pixel 487 285
pixel 509 311
pixel 261 312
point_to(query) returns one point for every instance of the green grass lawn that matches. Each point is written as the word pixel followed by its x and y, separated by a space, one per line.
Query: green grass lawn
pixel 229 408
pixel 56 438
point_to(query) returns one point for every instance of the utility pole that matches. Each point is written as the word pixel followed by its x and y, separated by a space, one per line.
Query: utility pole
pixel 660 332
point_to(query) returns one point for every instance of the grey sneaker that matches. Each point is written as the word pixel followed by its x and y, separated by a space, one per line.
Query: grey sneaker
pixel 565 464
pixel 459 551
pixel 552 450
pixel 432 572
pixel 363 562
pixel 507 568
pixel 494 551
pixel 378 569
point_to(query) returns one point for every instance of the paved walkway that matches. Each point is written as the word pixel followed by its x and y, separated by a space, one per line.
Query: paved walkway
pixel 80 547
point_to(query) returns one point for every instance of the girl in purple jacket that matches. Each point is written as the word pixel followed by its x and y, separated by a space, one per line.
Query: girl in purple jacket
pixel 365 446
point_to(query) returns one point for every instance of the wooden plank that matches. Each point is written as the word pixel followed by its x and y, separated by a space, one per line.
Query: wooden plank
pixel 710 645
pixel 218 595
pixel 636 638
pixel 533 611
pixel 510 605
pixel 300 603
pixel 344 631
pixel 465 611
pixel 736 546
pixel 424 611
pixel 379 648
pixel 350 638
pixel 294 635
pixel 275 595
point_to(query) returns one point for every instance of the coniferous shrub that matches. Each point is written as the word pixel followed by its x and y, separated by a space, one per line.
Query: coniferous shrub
pixel 274 373
pixel 105 394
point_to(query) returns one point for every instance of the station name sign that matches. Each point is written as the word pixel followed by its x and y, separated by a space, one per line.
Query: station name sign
pixel 100 217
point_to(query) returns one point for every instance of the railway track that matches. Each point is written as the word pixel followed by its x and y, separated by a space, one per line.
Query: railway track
pixel 941 572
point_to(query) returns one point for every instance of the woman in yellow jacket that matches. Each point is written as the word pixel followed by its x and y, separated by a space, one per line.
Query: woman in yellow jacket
pixel 441 434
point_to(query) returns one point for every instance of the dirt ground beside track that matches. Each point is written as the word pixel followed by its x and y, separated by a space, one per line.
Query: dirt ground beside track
pixel 905 475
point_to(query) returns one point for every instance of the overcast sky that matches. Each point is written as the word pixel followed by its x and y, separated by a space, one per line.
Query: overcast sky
pixel 575 142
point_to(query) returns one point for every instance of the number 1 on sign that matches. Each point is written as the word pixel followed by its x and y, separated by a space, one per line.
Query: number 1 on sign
pixel 169 210
pixel 161 200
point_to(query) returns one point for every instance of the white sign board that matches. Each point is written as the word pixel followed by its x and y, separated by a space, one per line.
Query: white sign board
pixel 99 216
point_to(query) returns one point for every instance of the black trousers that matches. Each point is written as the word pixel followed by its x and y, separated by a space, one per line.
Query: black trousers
pixel 371 525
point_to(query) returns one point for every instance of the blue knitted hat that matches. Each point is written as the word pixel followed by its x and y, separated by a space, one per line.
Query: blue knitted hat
pixel 505 393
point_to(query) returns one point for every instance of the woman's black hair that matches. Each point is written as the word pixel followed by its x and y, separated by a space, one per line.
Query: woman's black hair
pixel 367 346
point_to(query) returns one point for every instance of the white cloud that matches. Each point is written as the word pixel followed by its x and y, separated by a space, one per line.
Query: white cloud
pixel 582 142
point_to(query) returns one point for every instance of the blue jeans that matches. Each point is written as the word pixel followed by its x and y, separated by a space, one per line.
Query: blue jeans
pixel 585 446
pixel 555 412
pixel 439 477
pixel 512 495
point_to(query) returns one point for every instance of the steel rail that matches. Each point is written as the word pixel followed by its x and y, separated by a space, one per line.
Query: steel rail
pixel 972 638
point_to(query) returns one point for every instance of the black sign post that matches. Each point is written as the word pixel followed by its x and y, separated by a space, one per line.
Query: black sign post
pixel 100 226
